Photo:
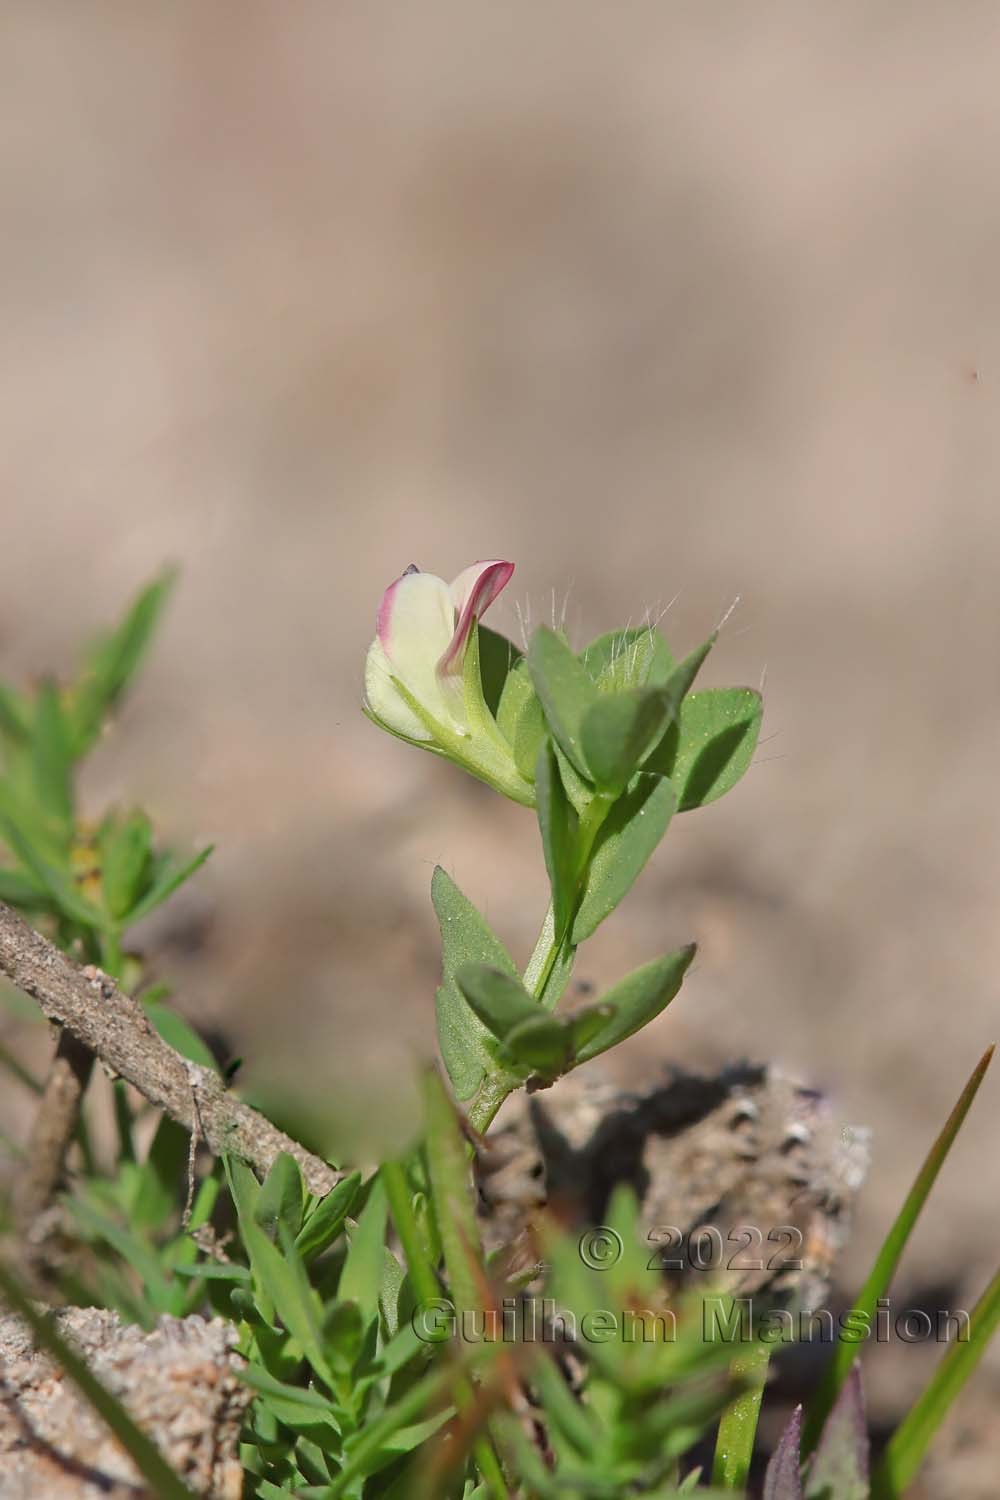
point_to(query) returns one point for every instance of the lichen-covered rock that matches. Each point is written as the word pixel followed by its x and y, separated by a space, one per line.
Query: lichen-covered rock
pixel 179 1382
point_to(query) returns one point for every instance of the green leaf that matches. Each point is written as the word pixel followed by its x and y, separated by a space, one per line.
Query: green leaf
pixel 280 1200
pixel 638 999
pixel 621 729
pixel 734 1443
pixel 566 690
pixel 840 1464
pixel 541 1043
pixel 343 1333
pixel 631 832
pixel 636 657
pixel 585 1024
pixel 710 746
pixel 57 882
pixel 422 1396
pixel 162 1173
pixel 210 1270
pixel 176 1032
pixel 15 715
pixel 361 1278
pixel 559 826
pixel 497 659
pixel 281 1276
pixel 52 760
pixel 499 1000
pixel 882 1272
pixel 161 1478
pixel 326 1221
pixel 126 851
pixel 18 888
pixel 449 1168
pixel 296 1405
pixel 908 1444
pixel 465 938
pixel 412 1238
pixel 520 718
pixel 166 882
pixel 112 662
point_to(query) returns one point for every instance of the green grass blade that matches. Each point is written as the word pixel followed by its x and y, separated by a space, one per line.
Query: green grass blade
pixel 887 1259
pixel 738 1424
pixel 148 1459
pixel 908 1444
pixel 450 1167
pixel 397 1191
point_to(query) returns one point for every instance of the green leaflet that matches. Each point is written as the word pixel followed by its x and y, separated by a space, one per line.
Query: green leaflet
pixel 499 1000
pixel 465 938
pixel 168 879
pixel 631 832
pixel 621 728
pixel 540 1043
pixel 52 761
pixel 361 1279
pixel 637 999
pixel 126 855
pixel 281 1197
pixel 520 718
pixel 628 658
pixel 278 1272
pixel 566 690
pixel 177 1033
pixel 326 1221
pixel 710 747
pixel 112 662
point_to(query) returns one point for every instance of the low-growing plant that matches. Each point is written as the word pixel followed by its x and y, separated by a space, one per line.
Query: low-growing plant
pixel 388 1354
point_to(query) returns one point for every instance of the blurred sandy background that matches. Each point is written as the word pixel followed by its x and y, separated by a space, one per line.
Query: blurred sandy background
pixel 654 299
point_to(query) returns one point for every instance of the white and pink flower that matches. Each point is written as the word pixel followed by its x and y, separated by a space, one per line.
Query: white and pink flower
pixel 416 683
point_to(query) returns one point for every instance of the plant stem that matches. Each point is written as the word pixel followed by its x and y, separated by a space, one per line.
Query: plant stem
pixel 543 957
pixel 493 1091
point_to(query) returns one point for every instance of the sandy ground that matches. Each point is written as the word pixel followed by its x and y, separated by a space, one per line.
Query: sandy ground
pixel 665 303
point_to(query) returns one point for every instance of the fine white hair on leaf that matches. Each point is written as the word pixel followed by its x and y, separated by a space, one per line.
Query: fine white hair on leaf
pixel 523 621
pixel 565 605
pixel 728 612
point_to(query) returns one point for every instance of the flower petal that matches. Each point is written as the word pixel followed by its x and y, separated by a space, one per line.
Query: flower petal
pixel 416 620
pixel 383 697
pixel 472 593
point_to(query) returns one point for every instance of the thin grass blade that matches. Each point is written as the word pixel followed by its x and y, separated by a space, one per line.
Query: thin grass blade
pixel 909 1442
pixel 888 1257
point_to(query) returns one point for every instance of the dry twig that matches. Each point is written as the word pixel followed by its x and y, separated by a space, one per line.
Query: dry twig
pixel 115 1028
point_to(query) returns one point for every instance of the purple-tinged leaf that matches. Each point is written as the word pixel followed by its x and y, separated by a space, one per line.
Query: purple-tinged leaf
pixel 839 1470
pixel 782 1480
